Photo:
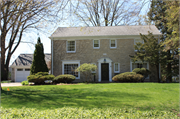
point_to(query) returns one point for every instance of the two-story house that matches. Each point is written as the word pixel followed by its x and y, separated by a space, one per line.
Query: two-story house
pixel 108 47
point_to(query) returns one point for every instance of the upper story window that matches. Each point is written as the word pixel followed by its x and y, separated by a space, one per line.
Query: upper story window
pixel 116 67
pixel 96 44
pixel 71 46
pixel 113 43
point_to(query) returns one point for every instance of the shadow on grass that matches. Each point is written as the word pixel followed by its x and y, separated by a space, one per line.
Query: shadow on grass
pixel 61 97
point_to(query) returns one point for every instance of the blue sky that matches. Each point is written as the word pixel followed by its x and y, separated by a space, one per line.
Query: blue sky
pixel 28 48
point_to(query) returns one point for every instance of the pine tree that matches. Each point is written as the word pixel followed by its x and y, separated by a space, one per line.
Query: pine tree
pixel 158 15
pixel 149 51
pixel 38 64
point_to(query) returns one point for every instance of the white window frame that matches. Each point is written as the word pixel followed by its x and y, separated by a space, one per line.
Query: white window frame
pixel 71 62
pixel 118 67
pixel 93 44
pixel 115 44
pixel 95 70
pixel 67 47
pixel 135 42
pixel 138 62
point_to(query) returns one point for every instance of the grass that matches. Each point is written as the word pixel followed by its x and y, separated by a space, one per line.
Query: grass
pixel 113 100
pixel 142 96
pixel 8 81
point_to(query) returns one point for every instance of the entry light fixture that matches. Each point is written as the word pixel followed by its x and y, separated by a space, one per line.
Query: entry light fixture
pixel 104 60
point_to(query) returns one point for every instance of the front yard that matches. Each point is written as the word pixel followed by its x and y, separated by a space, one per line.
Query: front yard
pixel 140 97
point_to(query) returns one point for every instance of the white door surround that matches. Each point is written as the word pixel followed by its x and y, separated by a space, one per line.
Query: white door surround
pixel 105 60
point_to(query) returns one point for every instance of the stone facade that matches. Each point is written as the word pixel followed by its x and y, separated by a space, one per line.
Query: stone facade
pixel 86 54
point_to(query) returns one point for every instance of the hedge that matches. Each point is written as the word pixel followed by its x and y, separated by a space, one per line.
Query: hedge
pixel 128 77
pixel 80 113
pixel 65 78
pixel 40 77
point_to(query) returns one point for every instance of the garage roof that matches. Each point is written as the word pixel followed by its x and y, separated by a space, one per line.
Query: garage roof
pixel 26 59
pixel 105 31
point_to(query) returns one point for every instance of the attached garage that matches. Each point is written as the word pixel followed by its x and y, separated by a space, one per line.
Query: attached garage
pixel 21 66
pixel 21 74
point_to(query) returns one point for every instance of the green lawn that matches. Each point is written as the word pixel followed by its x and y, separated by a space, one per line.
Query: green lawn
pixel 143 96
pixel 139 96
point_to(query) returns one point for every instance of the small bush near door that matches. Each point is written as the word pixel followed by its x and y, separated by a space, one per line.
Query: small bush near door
pixel 128 77
pixel 66 78
pixel 40 78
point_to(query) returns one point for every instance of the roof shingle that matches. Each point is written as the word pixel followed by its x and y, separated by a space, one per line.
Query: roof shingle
pixel 104 31
pixel 26 59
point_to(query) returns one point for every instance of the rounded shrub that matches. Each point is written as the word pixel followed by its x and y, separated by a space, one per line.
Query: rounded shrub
pixel 65 78
pixel 143 71
pixel 40 77
pixel 128 77
pixel 25 83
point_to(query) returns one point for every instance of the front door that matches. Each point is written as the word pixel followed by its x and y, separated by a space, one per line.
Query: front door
pixel 104 71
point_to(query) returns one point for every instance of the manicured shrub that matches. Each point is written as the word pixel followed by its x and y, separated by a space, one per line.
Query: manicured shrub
pixel 25 83
pixel 128 77
pixel 143 71
pixel 40 77
pixel 66 78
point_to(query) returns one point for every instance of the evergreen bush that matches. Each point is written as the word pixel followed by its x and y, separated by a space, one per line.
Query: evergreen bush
pixel 143 71
pixel 66 78
pixel 128 77
pixel 25 83
pixel 40 77
pixel 39 63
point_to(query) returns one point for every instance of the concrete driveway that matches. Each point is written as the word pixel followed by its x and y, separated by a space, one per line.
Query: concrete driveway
pixel 10 84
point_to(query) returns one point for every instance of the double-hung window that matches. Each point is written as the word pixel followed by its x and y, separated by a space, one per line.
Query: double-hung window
pixel 71 46
pixel 69 67
pixel 116 67
pixel 96 44
pixel 113 43
pixel 139 65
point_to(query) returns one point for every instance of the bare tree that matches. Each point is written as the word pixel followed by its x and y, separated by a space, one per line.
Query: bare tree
pixel 108 12
pixel 17 16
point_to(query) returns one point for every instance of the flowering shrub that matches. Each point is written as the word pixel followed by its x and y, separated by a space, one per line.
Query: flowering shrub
pixel 86 69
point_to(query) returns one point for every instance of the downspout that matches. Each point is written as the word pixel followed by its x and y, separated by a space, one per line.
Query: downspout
pixel 159 63
pixel 52 56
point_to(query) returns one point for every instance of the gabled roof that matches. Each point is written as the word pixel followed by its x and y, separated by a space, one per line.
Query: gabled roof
pixel 26 59
pixel 104 31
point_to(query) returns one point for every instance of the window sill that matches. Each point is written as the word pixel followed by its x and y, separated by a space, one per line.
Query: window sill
pixel 71 52
pixel 116 71
pixel 113 48
pixel 95 48
pixel 77 77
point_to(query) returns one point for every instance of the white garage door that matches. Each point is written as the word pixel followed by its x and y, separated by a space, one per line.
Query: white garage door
pixel 21 74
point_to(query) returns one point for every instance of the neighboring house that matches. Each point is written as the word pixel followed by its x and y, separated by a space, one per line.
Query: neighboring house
pixel 21 66
pixel 108 47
